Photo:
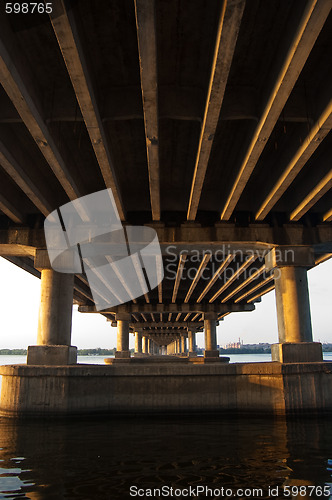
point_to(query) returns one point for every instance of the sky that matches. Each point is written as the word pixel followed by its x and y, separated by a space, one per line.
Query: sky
pixel 19 299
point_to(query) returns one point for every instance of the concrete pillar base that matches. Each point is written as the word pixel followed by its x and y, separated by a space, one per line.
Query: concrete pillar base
pixel 122 354
pixel 211 354
pixel 297 352
pixel 52 355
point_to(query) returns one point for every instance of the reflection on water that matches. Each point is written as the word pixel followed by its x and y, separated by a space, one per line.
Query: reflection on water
pixel 102 458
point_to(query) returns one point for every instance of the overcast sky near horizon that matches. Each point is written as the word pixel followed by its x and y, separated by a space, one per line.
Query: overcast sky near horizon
pixel 20 292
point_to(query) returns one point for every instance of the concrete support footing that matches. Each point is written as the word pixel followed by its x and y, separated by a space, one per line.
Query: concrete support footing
pixel 297 352
pixel 211 354
pixel 122 354
pixel 237 388
pixel 51 355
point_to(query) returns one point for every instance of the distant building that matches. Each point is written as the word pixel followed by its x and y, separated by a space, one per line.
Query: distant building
pixel 234 345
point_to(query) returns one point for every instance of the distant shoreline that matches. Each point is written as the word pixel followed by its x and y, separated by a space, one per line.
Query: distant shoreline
pixel 247 349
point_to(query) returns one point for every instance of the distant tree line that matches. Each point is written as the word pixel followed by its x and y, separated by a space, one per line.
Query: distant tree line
pixel 13 352
pixel 97 351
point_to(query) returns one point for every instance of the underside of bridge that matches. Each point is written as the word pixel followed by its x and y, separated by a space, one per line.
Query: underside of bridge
pixel 210 122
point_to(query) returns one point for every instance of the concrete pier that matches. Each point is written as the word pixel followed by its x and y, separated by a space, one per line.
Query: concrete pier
pixel 54 321
pixel 290 266
pixel 145 349
pixel 183 344
pixel 138 343
pixel 122 337
pixel 136 388
pixel 191 342
pixel 210 335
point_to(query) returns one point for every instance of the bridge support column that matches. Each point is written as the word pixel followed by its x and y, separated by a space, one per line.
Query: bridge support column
pixel 210 334
pixel 175 346
pixel 192 343
pixel 178 346
pixel 171 348
pixel 138 343
pixel 54 323
pixel 122 338
pixel 293 306
pixel 183 344
pixel 145 345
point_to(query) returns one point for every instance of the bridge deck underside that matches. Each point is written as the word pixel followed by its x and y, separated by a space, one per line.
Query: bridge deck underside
pixel 192 112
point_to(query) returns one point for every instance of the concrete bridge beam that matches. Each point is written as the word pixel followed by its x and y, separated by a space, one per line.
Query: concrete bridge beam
pixel 293 305
pixel 54 323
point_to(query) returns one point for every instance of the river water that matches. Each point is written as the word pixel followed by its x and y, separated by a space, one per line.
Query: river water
pixel 99 360
pixel 102 458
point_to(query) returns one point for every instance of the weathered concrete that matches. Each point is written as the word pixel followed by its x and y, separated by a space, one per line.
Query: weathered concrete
pixel 191 343
pixel 138 343
pixel 297 352
pixel 293 306
pixel 210 336
pixel 55 310
pixel 210 332
pixel 52 355
pixel 290 266
pixel 145 349
pixel 54 322
pixel 183 344
pixel 122 336
pixel 274 388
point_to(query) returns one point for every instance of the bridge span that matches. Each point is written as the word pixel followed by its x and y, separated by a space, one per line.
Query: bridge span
pixel 211 124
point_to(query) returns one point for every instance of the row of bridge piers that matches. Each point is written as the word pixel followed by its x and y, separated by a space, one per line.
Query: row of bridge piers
pixel 185 343
pixel 292 303
pixel 165 375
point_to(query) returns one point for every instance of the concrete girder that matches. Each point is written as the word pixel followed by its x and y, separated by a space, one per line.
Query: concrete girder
pixel 199 273
pixel 147 48
pixel 222 239
pixel 254 289
pixel 16 85
pixel 328 216
pixel 10 210
pixel 228 259
pixel 245 283
pixel 315 194
pixel 166 324
pixel 312 21
pixel 239 271
pixel 64 28
pixel 21 178
pixel 174 308
pixel 228 30
pixel 316 135
pixel 181 264
pixel 260 294
pixel 176 103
